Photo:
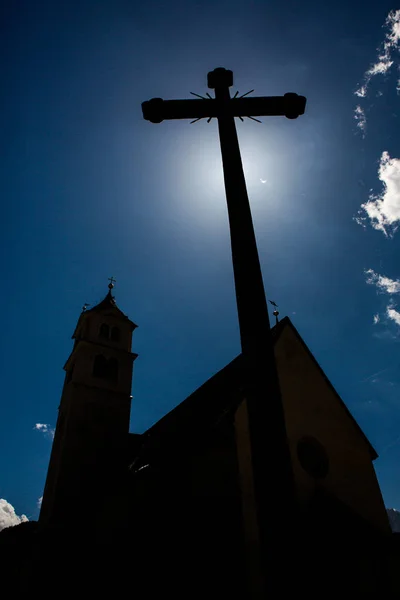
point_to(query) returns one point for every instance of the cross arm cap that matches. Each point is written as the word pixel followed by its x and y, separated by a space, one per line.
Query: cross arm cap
pixel 152 110
pixel 220 77
pixel 294 105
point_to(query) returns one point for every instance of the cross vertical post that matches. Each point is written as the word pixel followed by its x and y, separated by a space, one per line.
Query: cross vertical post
pixel 273 479
pixel 272 471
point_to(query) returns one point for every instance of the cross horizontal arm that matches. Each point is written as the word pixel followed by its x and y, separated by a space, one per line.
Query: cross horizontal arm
pixel 290 106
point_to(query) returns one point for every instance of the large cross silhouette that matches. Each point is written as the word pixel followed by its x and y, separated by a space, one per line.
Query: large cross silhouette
pixel 272 471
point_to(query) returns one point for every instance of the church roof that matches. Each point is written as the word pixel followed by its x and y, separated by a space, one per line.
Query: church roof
pixel 218 397
pixel 109 303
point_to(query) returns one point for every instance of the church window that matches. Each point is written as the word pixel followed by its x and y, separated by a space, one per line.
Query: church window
pixel 115 334
pixel 104 331
pixel 313 457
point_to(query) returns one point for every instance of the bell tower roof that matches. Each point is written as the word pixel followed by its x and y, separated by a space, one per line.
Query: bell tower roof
pixel 108 302
pixel 107 306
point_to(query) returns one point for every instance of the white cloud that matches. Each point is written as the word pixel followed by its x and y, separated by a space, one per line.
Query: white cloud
pixel 361 92
pixel 39 501
pixel 385 53
pixel 45 428
pixel 383 210
pixel 359 116
pixel 41 427
pixel 390 286
pixel 8 518
pixel 380 68
pixel 393 314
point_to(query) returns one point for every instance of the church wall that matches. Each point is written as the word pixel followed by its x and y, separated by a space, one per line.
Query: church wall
pixel 214 496
pixel 185 514
pixel 53 471
pixel 90 442
pixel 248 502
pixel 313 409
pixel 245 472
pixel 214 466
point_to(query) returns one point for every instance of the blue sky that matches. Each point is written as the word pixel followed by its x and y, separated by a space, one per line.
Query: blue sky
pixel 89 190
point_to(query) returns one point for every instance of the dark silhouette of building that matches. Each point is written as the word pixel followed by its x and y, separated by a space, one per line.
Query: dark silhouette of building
pixel 172 511
pixel 91 438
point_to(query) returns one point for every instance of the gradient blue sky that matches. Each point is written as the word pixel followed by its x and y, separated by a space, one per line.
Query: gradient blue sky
pixel 89 190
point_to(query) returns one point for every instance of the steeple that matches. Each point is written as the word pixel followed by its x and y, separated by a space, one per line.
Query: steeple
pixel 109 300
pixel 92 428
pixel 107 303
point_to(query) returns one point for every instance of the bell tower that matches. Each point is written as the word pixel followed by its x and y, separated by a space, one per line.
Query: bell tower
pixel 88 456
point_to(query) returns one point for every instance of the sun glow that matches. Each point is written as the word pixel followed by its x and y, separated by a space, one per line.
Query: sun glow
pixel 196 165
pixel 197 176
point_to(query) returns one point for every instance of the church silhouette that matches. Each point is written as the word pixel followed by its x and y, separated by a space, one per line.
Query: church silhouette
pixel 172 511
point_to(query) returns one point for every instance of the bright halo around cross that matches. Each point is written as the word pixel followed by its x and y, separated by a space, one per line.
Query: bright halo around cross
pixel 197 173
pixel 256 161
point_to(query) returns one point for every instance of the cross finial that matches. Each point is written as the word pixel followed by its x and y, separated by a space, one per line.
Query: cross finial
pixel 112 281
pixel 276 311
